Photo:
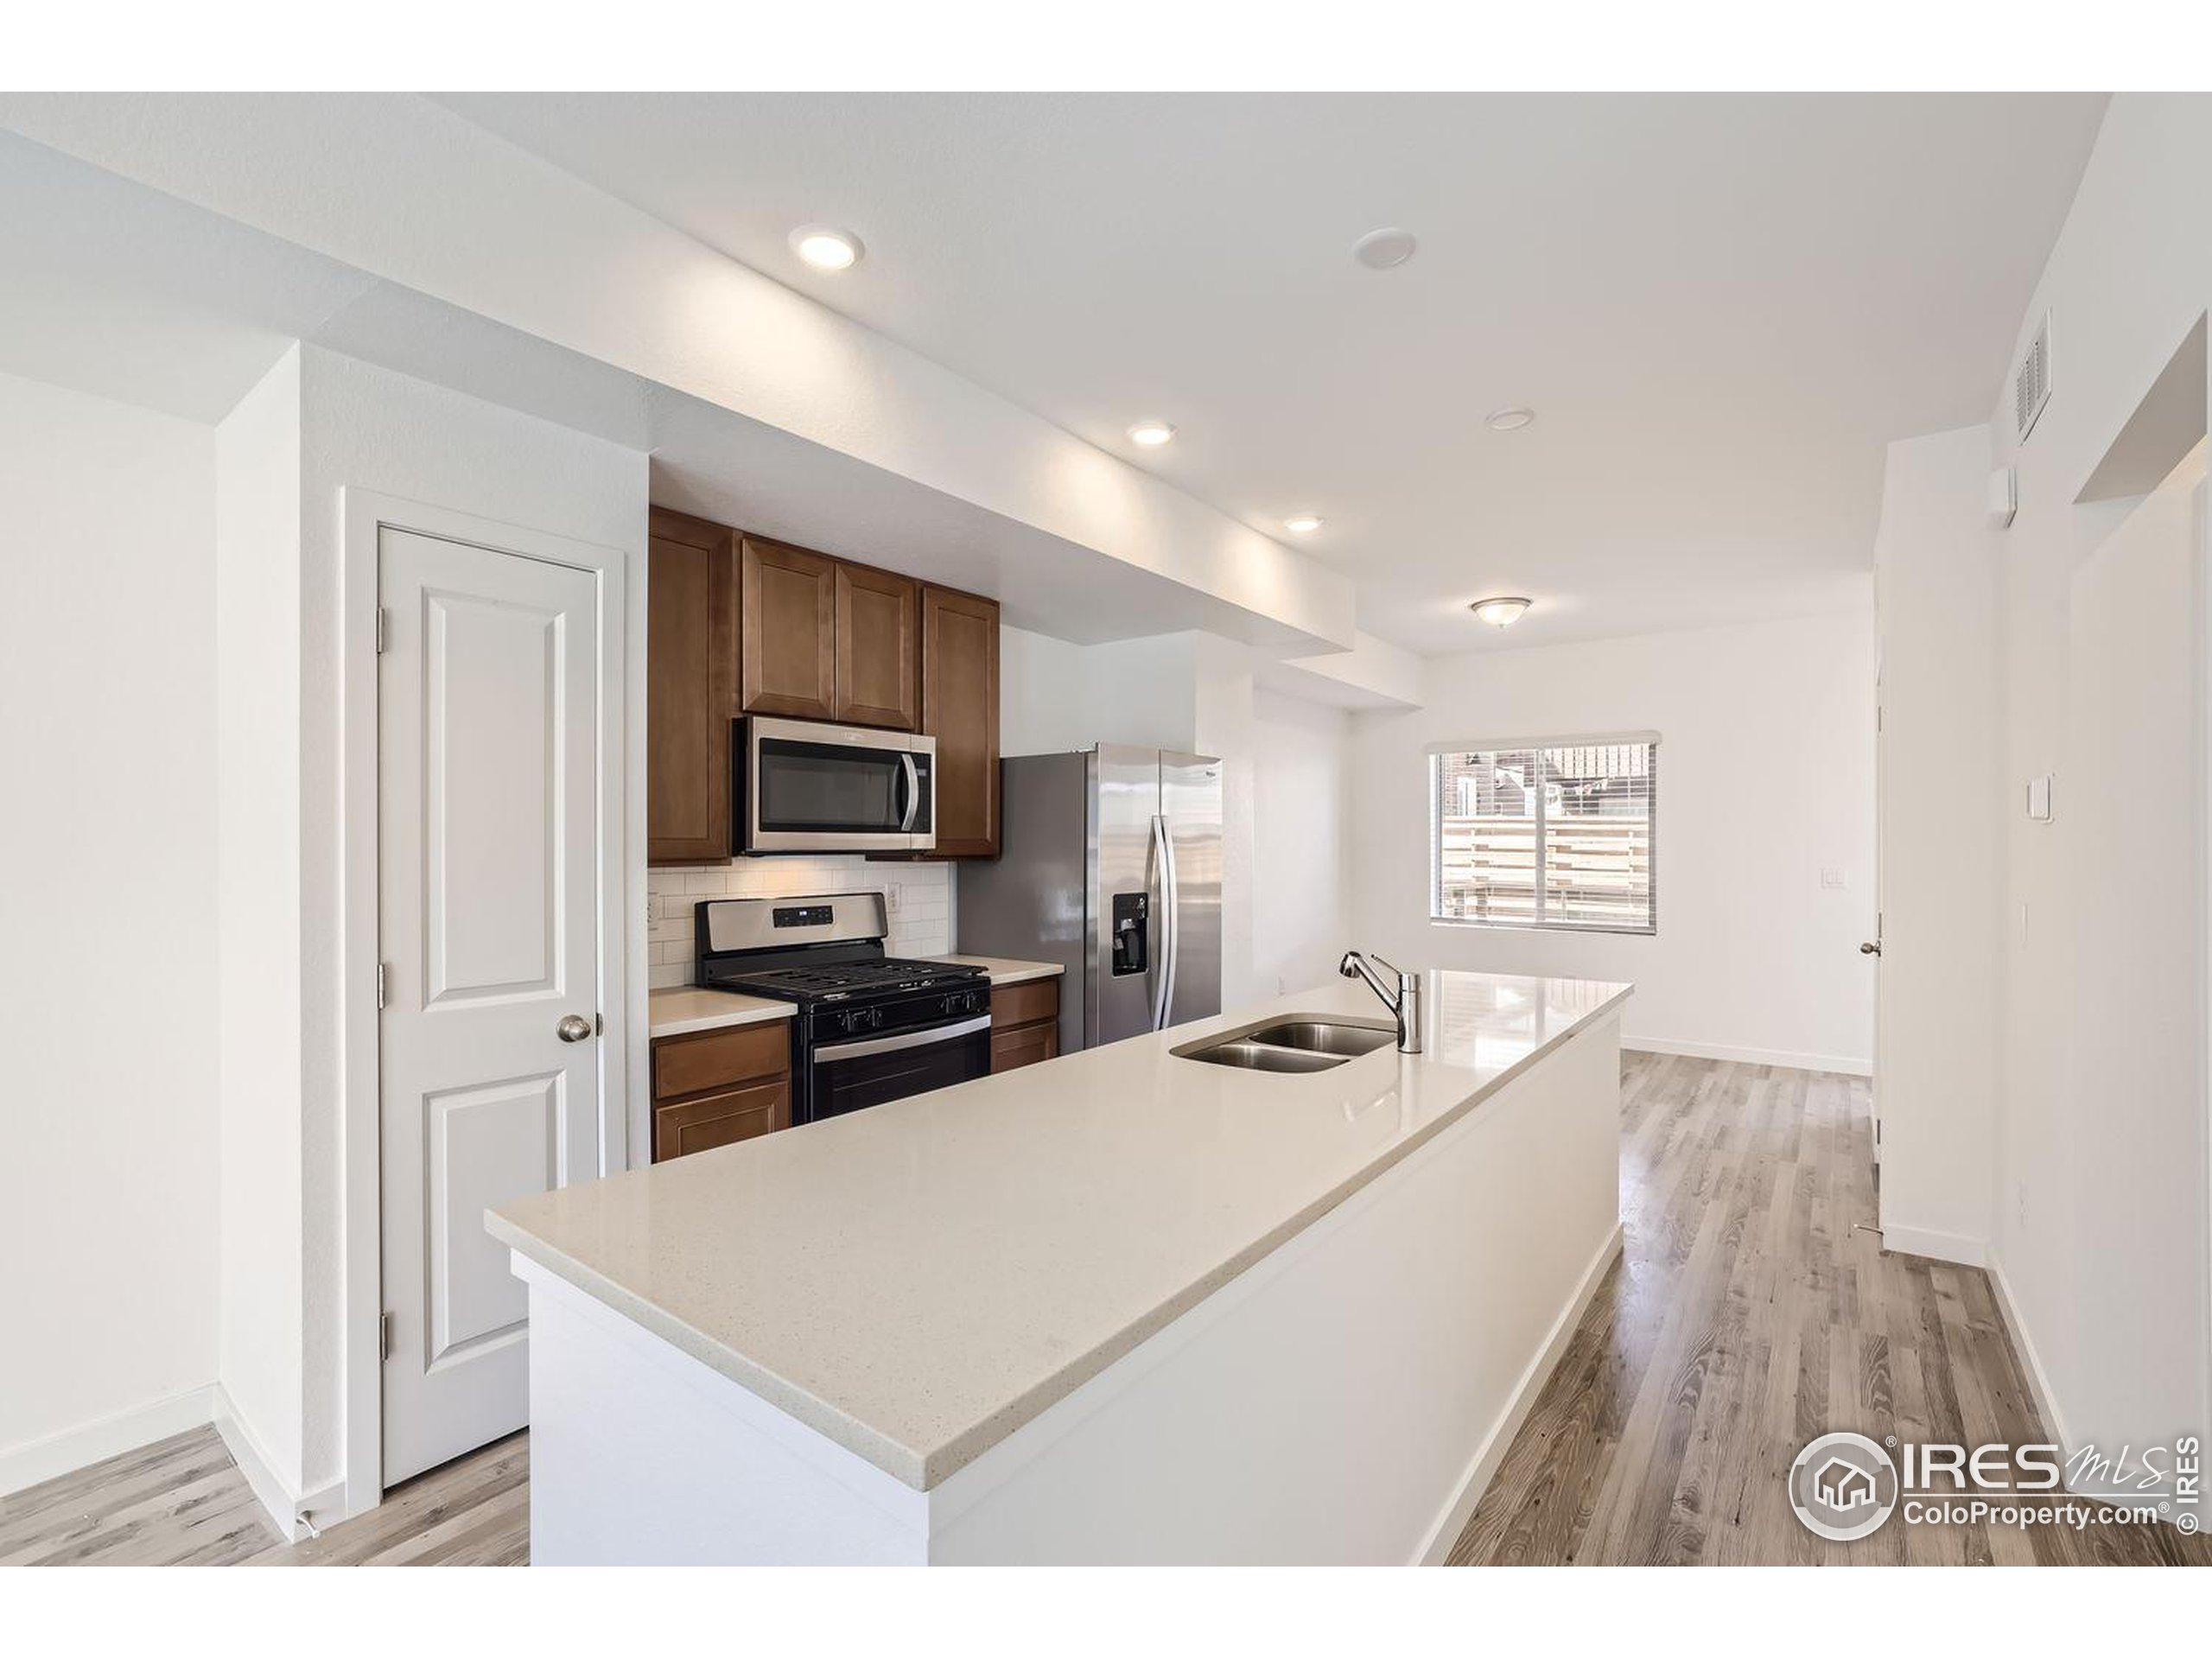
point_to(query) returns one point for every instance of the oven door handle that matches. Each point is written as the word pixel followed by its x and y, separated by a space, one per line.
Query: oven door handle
pixel 868 1046
pixel 913 792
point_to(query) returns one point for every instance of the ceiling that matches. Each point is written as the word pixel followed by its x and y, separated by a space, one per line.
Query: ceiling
pixel 1721 307
pixel 116 289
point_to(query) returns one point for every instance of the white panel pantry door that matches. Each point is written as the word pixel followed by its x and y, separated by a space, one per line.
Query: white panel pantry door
pixel 489 733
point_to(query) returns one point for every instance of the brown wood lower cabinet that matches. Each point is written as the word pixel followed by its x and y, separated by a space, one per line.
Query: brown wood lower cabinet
pixel 1024 1024
pixel 717 1120
pixel 711 1088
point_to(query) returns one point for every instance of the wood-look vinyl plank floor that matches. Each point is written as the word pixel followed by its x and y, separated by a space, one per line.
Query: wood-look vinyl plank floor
pixel 1752 1308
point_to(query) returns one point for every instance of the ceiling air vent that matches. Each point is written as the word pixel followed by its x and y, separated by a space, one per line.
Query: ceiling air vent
pixel 2032 383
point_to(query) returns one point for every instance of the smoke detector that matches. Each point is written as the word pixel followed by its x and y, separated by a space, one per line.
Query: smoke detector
pixel 2031 381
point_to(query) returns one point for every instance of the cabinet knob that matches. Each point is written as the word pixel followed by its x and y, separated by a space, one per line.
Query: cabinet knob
pixel 573 1028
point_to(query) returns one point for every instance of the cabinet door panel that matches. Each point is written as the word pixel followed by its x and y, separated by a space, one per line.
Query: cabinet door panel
pixel 1027 1003
pixel 960 709
pixel 720 1119
pixel 690 688
pixel 788 664
pixel 715 1059
pixel 876 647
pixel 1023 1046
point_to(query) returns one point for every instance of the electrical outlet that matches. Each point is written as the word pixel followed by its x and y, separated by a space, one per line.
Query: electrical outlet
pixel 890 898
pixel 653 908
pixel 2020 1205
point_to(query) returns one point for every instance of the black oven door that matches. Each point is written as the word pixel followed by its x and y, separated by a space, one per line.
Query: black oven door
pixel 847 1076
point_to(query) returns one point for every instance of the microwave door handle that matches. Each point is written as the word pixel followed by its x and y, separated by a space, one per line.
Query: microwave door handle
pixel 913 776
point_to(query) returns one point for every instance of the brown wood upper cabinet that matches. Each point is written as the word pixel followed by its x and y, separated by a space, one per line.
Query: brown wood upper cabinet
pixel 787 601
pixel 960 709
pixel 690 687
pixel 740 625
pixel 876 647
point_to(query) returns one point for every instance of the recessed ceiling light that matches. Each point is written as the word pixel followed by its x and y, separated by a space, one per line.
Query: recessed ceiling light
pixel 1499 612
pixel 1509 420
pixel 1385 249
pixel 1151 434
pixel 1303 524
pixel 827 248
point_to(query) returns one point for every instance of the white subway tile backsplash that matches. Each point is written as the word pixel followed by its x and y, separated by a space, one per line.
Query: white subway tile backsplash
pixel 921 916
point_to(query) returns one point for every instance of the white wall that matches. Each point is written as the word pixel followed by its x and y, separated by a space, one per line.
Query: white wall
pixel 2129 274
pixel 1766 774
pixel 1055 696
pixel 2134 845
pixel 257 649
pixel 1301 869
pixel 108 1170
pixel 1942 806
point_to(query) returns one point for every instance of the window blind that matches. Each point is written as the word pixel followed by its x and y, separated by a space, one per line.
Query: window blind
pixel 1551 834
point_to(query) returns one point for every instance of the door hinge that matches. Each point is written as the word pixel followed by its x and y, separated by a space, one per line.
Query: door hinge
pixel 384 1336
pixel 383 616
pixel 380 984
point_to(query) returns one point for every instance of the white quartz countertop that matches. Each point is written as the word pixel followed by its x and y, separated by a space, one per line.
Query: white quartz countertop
pixel 687 1008
pixel 917 1280
pixel 1005 970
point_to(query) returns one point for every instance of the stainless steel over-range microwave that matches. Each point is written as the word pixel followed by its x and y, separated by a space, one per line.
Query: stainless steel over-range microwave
pixel 803 786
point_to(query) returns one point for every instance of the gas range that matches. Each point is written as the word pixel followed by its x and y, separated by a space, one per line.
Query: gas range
pixel 869 1027
pixel 842 980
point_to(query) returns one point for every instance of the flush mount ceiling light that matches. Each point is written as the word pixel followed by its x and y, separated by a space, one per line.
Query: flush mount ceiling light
pixel 1151 434
pixel 1499 612
pixel 1508 420
pixel 827 248
pixel 1303 524
pixel 1384 250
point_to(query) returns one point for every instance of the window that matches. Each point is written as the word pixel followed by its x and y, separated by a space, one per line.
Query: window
pixel 1554 834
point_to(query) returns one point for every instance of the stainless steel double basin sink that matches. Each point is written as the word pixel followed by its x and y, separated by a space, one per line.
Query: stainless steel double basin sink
pixel 1291 1044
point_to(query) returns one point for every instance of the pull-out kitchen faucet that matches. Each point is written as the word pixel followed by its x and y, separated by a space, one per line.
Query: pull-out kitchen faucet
pixel 1404 1002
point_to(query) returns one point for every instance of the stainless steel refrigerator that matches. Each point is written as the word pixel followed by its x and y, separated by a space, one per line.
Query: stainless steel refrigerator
pixel 1110 867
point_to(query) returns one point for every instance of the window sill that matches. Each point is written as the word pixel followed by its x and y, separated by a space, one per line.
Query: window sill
pixel 1568 928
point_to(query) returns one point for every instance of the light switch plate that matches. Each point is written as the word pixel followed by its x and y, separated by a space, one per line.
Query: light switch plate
pixel 1832 878
pixel 2039 799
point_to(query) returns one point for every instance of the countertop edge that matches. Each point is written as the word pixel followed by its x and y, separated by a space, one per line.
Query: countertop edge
pixel 720 1021
pixel 923 1470
pixel 899 1461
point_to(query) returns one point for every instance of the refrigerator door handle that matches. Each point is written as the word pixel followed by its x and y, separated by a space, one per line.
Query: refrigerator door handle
pixel 1164 842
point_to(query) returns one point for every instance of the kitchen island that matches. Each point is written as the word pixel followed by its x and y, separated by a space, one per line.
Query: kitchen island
pixel 1125 1305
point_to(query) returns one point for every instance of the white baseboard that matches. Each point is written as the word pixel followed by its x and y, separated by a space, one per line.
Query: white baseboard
pixel 1492 1451
pixel 1849 1065
pixel 72 1449
pixel 2039 1379
pixel 1938 1247
pixel 278 1501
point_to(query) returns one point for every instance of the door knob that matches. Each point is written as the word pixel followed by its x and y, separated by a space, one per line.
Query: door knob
pixel 573 1028
pixel 1872 948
